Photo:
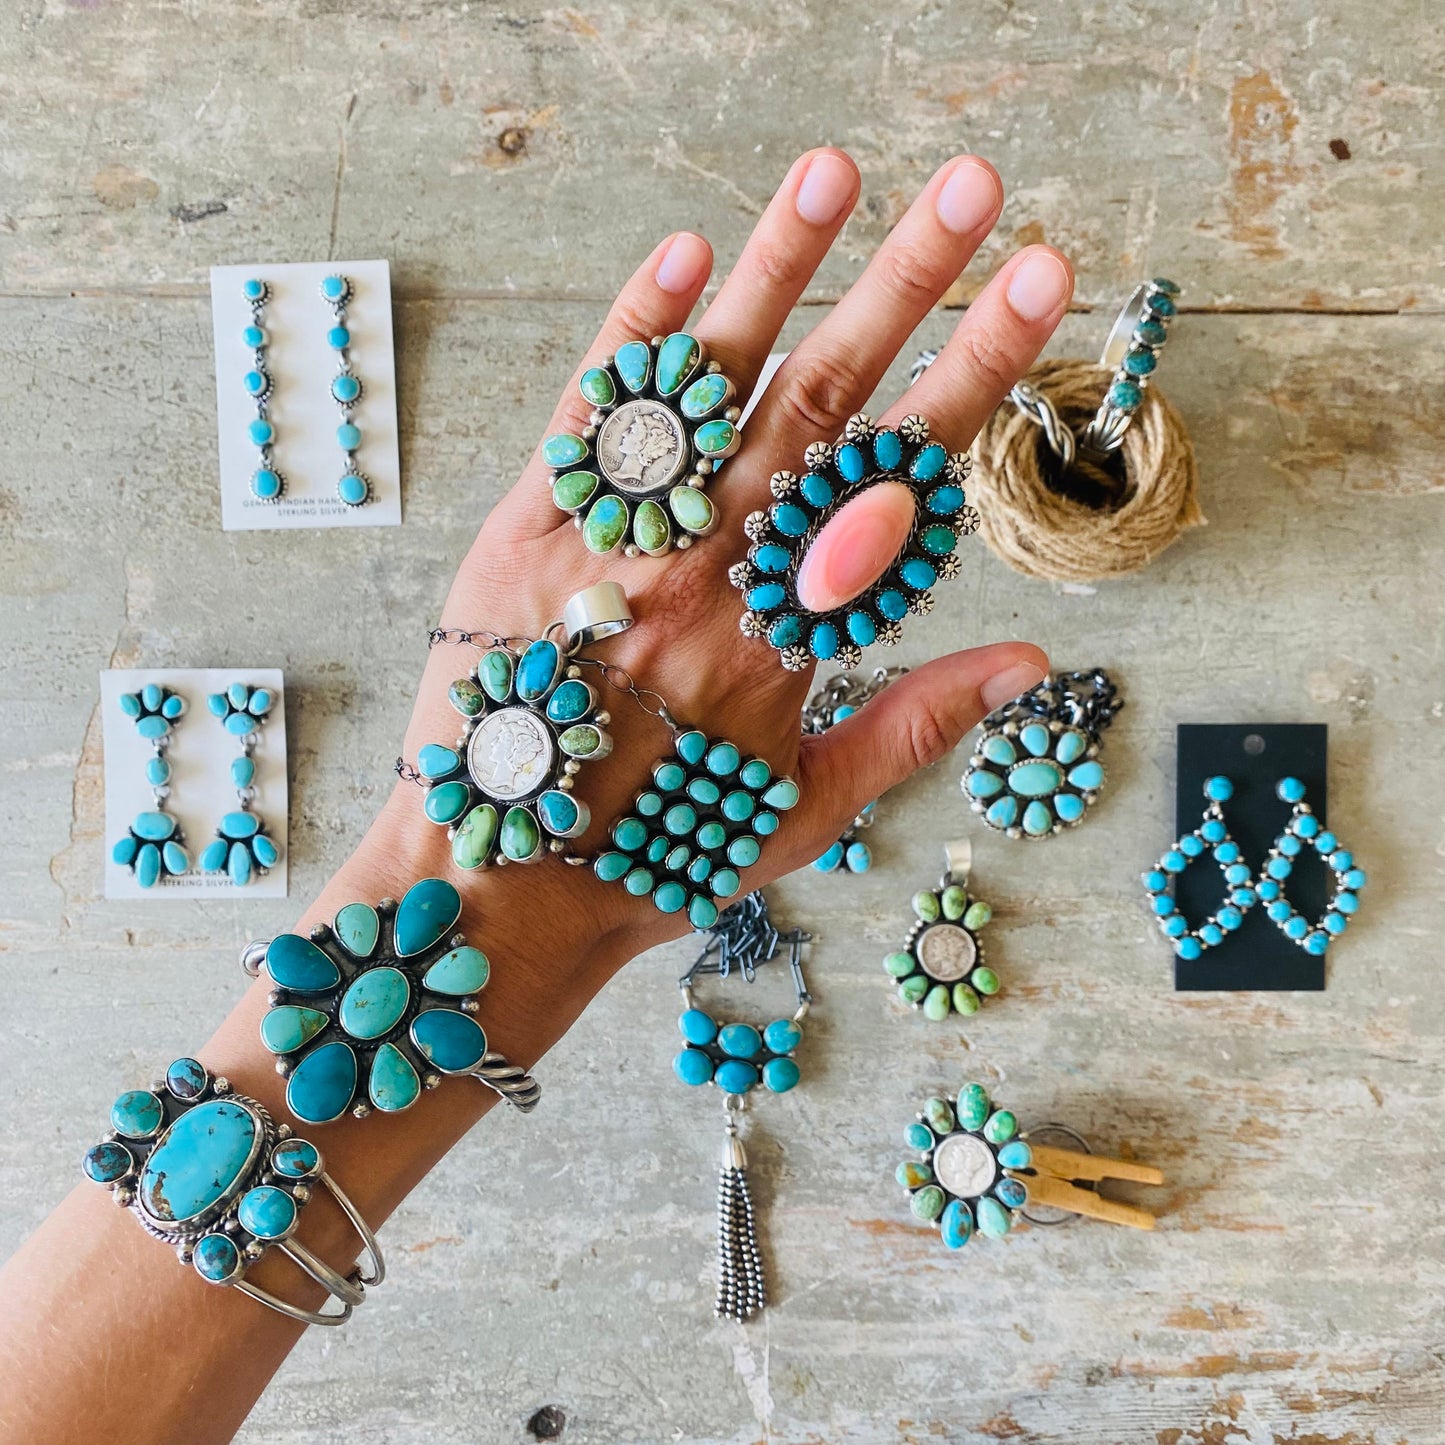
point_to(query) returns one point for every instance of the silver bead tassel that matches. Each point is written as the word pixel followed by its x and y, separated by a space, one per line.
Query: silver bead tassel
pixel 741 1289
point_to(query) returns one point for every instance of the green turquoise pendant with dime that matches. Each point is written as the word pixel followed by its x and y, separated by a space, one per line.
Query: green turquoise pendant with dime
pixel 663 417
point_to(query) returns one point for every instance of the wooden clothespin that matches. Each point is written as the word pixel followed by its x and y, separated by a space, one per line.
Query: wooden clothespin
pixel 1054 1175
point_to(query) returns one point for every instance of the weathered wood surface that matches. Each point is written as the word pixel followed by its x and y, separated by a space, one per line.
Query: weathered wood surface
pixel 1293 1289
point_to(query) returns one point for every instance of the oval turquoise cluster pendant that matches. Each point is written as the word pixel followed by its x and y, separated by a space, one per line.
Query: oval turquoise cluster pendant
pixel 209 1171
pixel 505 791
pixel 662 419
pixel 693 832
pixel 372 1009
pixel 927 483
pixel 965 1180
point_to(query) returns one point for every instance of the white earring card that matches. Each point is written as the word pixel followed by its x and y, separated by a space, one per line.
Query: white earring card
pixel 301 363
pixel 200 750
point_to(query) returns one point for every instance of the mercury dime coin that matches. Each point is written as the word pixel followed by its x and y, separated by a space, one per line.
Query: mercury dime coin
pixel 965 1165
pixel 511 754
pixel 642 447
pixel 947 952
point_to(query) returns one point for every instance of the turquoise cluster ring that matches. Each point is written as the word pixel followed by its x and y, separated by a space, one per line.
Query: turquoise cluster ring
pixel 1131 354
pixel 208 1171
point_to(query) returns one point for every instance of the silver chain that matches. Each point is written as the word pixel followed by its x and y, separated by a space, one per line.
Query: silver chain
pixel 847 689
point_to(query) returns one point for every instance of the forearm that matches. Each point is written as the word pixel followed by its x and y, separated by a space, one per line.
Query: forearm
pixel 92 1298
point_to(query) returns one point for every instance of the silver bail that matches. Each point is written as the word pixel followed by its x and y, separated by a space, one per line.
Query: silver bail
pixel 596 612
pixel 958 856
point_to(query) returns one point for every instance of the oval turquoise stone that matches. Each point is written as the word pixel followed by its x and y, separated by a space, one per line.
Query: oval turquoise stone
pixel 705 395
pixel 466 697
pixel 186 1078
pixel 428 911
pixel 696 1026
pixel 201 1160
pixel 861 628
pixel 740 1041
pixel 712 834
pixel 105 1163
pixel 669 896
pixel 173 856
pixel 887 449
pixel 153 727
pixel 155 827
pixel 563 450
pixel 266 484
pixel 993 1219
pixel 725 882
pixel 765 596
pixel 323 1083
pixel 393 1084
pixel 571 701
pixel 374 1003
pixel 520 836
pixel 596 386
pixel 723 759
pixel 790 520
pixel 1071 746
pixel 348 437
pixel 240 825
pixel 679 819
pixel 704 791
pixel 956 1224
pixel 537 670
pixel 850 462
pixel 1036 779
pixel 937 540
pixel 458 973
pixel 824 641
pixel 446 802
pixel 692 509
pixel 945 501
pixel 345 388
pixel 893 605
pixel 450 1041
pixel 472 845
pixel 744 851
pixel 137 1114
pixel 638 882
pixel 918 574
pixel 677 359
pixel 435 761
pixel 634 364
pixel 559 813
pixel 782 1036
pixel 338 338
pixel 629 834
pixel 216 1258
pixel 972 1107
pixel 295 1158
pixel 266 1212
pixel 261 432
pixel 1000 1127
pixel 124 851
pixel 780 1075
pixel 772 558
pixel 238 864
pixel 717 438
pixel 929 462
pixel 297 964
pixel 606 524
pixel 158 771
pixel 734 1076
pixel 692 1066
pixel 290 1027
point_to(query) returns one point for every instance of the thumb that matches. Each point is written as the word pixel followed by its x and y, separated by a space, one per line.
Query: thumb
pixel 914 723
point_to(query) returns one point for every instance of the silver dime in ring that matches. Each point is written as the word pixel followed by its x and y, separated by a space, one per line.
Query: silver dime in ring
pixel 946 952
pixel 642 447
pixel 511 754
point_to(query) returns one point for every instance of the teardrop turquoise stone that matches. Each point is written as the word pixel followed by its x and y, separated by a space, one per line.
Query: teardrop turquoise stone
pixel 393 1084
pixel 1035 737
pixel 435 761
pixel 677 358
pixel 606 524
pixel 428 911
pixel 559 813
pixel 290 1027
pixel 238 864
pixel 321 1088
pixel 993 1219
pixel 537 670
pixel 297 964
pixel 358 927
pixel 461 972
pixel 571 701
pixel 521 837
pixel 374 1003
pixel 446 802
pixel 691 746
pixel 198 1162
pixel 634 364
pixel 1072 746
pixel 450 1041
pixel 1037 819
pixel 1087 775
pixel 705 395
pixel 494 672
pixel 956 1224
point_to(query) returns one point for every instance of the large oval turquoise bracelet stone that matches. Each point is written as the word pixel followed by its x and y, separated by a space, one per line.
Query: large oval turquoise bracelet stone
pixel 662 419
pixel 691 834
pixel 370 1010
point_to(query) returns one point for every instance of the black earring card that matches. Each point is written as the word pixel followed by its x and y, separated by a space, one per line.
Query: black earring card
pixel 1254 757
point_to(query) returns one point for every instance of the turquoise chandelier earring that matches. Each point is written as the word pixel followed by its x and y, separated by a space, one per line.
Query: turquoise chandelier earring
pixel 780 604
pixel 152 847
pixel 1240 892
pixel 242 848
pixel 267 483
pixel 1305 830
pixel 662 419
pixel 370 1010
pixel 353 487
pixel 740 1060
pixel 1035 769
pixel 940 969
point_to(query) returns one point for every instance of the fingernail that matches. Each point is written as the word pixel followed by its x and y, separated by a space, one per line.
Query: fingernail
pixel 1039 286
pixel 827 187
pixel 684 265
pixel 1004 686
pixel 969 198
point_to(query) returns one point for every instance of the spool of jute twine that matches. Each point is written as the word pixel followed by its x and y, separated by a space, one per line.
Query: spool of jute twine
pixel 1099 519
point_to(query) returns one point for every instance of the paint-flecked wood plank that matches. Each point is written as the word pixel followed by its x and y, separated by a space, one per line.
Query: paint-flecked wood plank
pixel 1266 152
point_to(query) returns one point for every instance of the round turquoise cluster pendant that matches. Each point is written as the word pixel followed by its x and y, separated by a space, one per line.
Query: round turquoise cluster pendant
pixel 924 478
pixel 504 792
pixel 940 968
pixel 662 418
pixel 701 823
pixel 209 1171
pixel 369 1011
pixel 965 1181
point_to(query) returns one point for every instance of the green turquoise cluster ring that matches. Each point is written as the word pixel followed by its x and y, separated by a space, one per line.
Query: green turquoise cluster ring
pixel 662 418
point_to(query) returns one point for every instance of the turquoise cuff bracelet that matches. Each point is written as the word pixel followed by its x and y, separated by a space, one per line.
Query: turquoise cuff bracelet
pixel 208 1171
pixel 1132 354
pixel 377 1006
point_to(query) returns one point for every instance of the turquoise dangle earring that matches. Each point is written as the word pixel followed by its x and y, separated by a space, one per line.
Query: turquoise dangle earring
pixel 1240 892
pixel 1346 880
pixel 242 847
pixel 152 847
pixel 941 969
pixel 839 698
pixel 740 1058
pixel 353 487
pixel 267 484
